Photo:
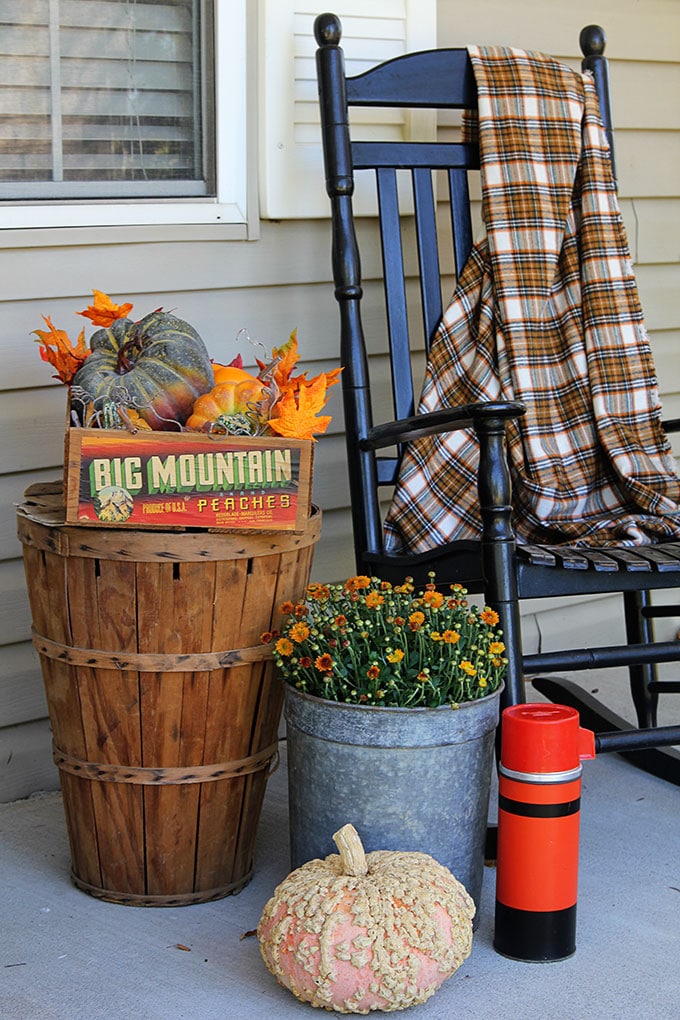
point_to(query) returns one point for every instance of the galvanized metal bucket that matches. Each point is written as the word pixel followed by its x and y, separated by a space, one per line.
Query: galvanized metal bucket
pixel 406 778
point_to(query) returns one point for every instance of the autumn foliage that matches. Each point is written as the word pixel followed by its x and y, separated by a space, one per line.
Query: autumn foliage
pixel 60 352
pixel 295 414
pixel 290 404
pixel 103 312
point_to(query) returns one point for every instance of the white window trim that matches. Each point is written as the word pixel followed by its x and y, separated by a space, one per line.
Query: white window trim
pixel 290 166
pixel 231 203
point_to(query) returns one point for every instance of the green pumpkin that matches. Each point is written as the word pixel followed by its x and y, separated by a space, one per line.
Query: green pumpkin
pixel 160 363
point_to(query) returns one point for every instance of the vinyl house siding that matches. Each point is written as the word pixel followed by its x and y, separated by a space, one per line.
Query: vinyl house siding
pixel 281 279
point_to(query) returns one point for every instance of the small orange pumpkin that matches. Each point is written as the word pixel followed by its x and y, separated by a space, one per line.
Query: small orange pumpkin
pixel 234 391
pixel 361 932
pixel 229 373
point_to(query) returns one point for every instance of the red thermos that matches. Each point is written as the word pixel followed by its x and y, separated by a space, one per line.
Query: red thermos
pixel 539 793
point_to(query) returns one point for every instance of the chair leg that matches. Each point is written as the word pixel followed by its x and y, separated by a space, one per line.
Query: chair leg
pixel 640 630
pixel 510 624
pixel 498 549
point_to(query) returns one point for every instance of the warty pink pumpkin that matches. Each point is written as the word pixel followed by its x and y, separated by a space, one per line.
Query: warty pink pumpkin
pixel 359 932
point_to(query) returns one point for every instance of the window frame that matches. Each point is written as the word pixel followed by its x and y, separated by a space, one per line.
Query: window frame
pixel 230 205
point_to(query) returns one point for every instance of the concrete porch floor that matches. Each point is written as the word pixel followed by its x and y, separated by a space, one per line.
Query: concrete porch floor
pixel 67 956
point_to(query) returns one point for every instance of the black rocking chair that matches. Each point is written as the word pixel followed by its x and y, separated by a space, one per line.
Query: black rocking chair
pixel 504 571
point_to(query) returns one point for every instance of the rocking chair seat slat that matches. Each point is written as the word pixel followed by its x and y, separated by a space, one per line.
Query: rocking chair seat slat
pixel 664 557
pixel 569 557
pixel 537 555
pixel 629 559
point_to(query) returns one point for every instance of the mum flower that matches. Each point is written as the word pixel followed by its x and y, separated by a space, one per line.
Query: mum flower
pixel 357 583
pixel 416 620
pixel 284 646
pixel 489 616
pixel 299 632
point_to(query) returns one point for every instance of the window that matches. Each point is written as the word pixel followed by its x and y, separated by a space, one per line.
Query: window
pixel 114 112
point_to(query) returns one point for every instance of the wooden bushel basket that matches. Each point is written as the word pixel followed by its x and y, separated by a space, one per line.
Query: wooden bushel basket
pixel 162 700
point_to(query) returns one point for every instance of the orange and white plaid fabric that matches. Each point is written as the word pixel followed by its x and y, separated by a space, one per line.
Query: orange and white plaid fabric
pixel 546 312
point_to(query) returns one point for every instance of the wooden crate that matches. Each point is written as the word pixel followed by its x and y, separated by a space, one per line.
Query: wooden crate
pixel 179 480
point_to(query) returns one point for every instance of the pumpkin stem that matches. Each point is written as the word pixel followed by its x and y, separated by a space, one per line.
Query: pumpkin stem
pixel 352 856
pixel 126 364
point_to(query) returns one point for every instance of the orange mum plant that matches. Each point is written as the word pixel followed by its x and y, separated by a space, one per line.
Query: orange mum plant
pixel 370 642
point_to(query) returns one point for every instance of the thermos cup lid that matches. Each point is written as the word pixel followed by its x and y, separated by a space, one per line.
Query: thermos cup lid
pixel 544 738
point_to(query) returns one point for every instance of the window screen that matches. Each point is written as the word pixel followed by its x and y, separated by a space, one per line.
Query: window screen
pixel 106 98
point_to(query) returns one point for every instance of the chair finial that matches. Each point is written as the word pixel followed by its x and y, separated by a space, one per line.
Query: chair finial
pixel 327 30
pixel 592 41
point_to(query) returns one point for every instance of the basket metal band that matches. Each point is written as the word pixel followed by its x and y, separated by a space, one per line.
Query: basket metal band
pixel 170 900
pixel 110 773
pixel 149 662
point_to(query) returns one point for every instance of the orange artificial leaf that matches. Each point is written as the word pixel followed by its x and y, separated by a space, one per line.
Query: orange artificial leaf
pixel 60 352
pixel 236 362
pixel 298 417
pixel 288 357
pixel 103 312
pixel 276 373
pixel 333 377
pixel 133 420
pixel 284 360
pixel 298 382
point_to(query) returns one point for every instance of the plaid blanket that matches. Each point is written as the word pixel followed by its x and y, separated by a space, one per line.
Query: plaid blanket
pixel 546 312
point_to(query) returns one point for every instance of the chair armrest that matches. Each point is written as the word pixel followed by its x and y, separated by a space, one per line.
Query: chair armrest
pixel 671 425
pixel 445 419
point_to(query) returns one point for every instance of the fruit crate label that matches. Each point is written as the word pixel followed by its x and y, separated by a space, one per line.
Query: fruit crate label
pixel 181 480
